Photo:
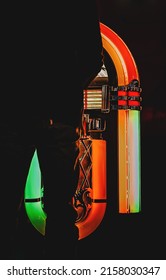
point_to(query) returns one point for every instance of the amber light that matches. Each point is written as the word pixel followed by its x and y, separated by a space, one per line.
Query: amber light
pixel 99 190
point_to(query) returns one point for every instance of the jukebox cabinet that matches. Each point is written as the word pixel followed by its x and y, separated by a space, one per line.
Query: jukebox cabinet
pixel 101 99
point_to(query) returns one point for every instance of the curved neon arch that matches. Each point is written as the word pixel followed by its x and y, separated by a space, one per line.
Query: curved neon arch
pixel 129 157
pixel 128 136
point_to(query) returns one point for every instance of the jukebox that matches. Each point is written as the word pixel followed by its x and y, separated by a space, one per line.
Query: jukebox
pixel 101 99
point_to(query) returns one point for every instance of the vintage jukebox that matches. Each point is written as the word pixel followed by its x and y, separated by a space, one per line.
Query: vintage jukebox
pixel 100 100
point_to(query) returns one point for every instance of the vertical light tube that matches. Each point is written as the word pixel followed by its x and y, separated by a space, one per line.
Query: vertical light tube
pixel 123 183
pixel 99 189
pixel 134 161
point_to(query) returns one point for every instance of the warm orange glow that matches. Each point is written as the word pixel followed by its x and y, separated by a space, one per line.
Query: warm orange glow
pixel 120 54
pixel 93 220
pixel 128 124
pixel 99 169
pixel 99 193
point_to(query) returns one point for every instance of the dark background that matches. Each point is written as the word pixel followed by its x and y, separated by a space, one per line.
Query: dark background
pixel 140 24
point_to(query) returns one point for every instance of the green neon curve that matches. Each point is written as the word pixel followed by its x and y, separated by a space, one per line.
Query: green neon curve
pixel 33 196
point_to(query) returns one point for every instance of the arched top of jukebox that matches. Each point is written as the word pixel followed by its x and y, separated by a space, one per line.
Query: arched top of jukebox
pixel 120 54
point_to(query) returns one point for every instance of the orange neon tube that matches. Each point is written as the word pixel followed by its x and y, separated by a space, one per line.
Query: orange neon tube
pixel 129 172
